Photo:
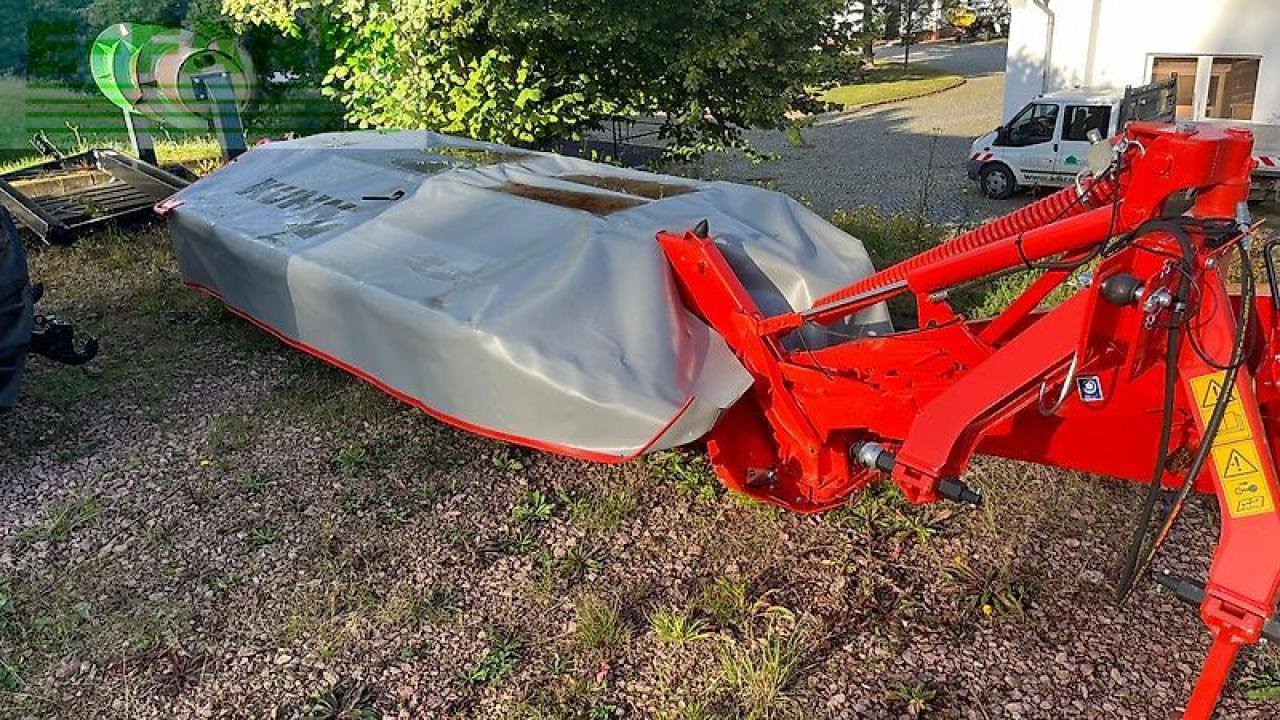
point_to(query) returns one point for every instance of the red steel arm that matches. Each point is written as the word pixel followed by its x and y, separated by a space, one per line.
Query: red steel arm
pixel 822 423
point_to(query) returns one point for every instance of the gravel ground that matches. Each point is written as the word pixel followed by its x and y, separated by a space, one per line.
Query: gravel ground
pixel 899 157
pixel 206 524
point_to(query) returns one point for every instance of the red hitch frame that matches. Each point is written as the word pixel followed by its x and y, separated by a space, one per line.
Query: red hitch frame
pixel 1055 386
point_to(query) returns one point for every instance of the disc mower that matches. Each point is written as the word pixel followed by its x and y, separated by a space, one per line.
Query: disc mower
pixel 517 295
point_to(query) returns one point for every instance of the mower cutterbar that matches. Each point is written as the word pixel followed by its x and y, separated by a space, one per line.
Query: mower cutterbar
pixel 1155 349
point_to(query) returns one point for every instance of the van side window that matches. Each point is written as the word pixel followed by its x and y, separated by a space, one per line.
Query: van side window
pixel 1034 125
pixel 1083 118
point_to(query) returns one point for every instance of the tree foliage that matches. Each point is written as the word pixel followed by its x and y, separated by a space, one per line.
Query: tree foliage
pixel 528 70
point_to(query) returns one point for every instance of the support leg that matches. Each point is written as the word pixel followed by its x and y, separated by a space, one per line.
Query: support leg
pixel 140 137
pixel 1213 677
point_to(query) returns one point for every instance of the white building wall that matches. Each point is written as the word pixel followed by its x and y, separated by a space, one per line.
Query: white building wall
pixel 1109 43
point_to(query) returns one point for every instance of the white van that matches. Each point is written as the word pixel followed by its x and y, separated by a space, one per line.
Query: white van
pixel 1045 144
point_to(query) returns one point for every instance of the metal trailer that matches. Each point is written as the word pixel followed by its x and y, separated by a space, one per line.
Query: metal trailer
pixel 64 197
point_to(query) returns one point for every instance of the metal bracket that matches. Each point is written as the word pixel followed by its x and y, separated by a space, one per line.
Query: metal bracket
pixel 55 340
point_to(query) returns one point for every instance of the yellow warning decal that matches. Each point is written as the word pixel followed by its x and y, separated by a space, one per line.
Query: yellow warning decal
pixel 1235 454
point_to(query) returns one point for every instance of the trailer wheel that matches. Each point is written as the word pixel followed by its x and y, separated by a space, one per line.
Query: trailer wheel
pixel 997 181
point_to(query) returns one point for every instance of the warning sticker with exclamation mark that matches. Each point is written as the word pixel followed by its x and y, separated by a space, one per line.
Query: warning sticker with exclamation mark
pixel 1235 454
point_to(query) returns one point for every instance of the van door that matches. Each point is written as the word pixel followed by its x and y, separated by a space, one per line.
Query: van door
pixel 1072 148
pixel 1027 142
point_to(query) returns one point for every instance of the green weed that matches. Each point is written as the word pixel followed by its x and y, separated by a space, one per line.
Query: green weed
pixel 346 700
pixel 508 458
pixel 881 513
pixel 517 543
pixel 989 591
pixel 352 460
pixel 264 536
pixel 533 508
pixel 497 662
pixel 916 698
pixel 688 472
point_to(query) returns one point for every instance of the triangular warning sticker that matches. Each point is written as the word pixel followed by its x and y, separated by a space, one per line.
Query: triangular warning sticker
pixel 1211 392
pixel 1237 465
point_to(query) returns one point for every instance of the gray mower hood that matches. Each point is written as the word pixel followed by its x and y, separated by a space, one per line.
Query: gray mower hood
pixel 517 294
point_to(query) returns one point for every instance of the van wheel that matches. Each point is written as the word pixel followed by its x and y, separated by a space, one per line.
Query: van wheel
pixel 997 181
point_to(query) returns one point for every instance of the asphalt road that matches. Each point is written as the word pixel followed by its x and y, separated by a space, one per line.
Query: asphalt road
pixel 968 59
pixel 898 157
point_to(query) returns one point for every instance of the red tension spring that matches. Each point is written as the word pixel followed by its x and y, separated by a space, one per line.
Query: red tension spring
pixel 1058 206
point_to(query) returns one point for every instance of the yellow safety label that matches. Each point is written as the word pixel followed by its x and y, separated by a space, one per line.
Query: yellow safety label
pixel 1235 454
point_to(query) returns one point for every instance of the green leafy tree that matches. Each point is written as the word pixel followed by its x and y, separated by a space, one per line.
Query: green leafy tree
pixel 525 71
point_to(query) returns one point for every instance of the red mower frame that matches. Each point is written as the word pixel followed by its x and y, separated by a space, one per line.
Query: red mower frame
pixel 1154 349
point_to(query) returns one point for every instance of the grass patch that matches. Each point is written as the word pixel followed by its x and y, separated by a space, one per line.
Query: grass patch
pixel 886 83
pixel 600 625
pixel 345 700
pixel 410 604
pixel 881 514
pixel 892 238
pixel 677 626
pixel 572 567
pixel 1264 687
pixel 724 600
pixel 326 395
pixel 229 433
pixel 65 389
pixel 889 238
pixel 122 287
pixel 516 543
pixel 603 511
pixel 761 668
pixel 61 519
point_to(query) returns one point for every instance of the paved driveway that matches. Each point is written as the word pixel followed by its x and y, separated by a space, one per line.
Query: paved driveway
pixel 897 157
pixel 968 59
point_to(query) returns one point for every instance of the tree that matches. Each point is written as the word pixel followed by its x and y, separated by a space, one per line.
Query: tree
pixel 869 24
pixel 525 71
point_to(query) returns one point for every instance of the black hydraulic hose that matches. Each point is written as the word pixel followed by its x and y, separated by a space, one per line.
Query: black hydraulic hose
pixel 1238 355
pixel 1142 527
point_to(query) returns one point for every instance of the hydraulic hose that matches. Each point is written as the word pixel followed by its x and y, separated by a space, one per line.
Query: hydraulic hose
pixel 1142 528
pixel 1238 355
pixel 1062 204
